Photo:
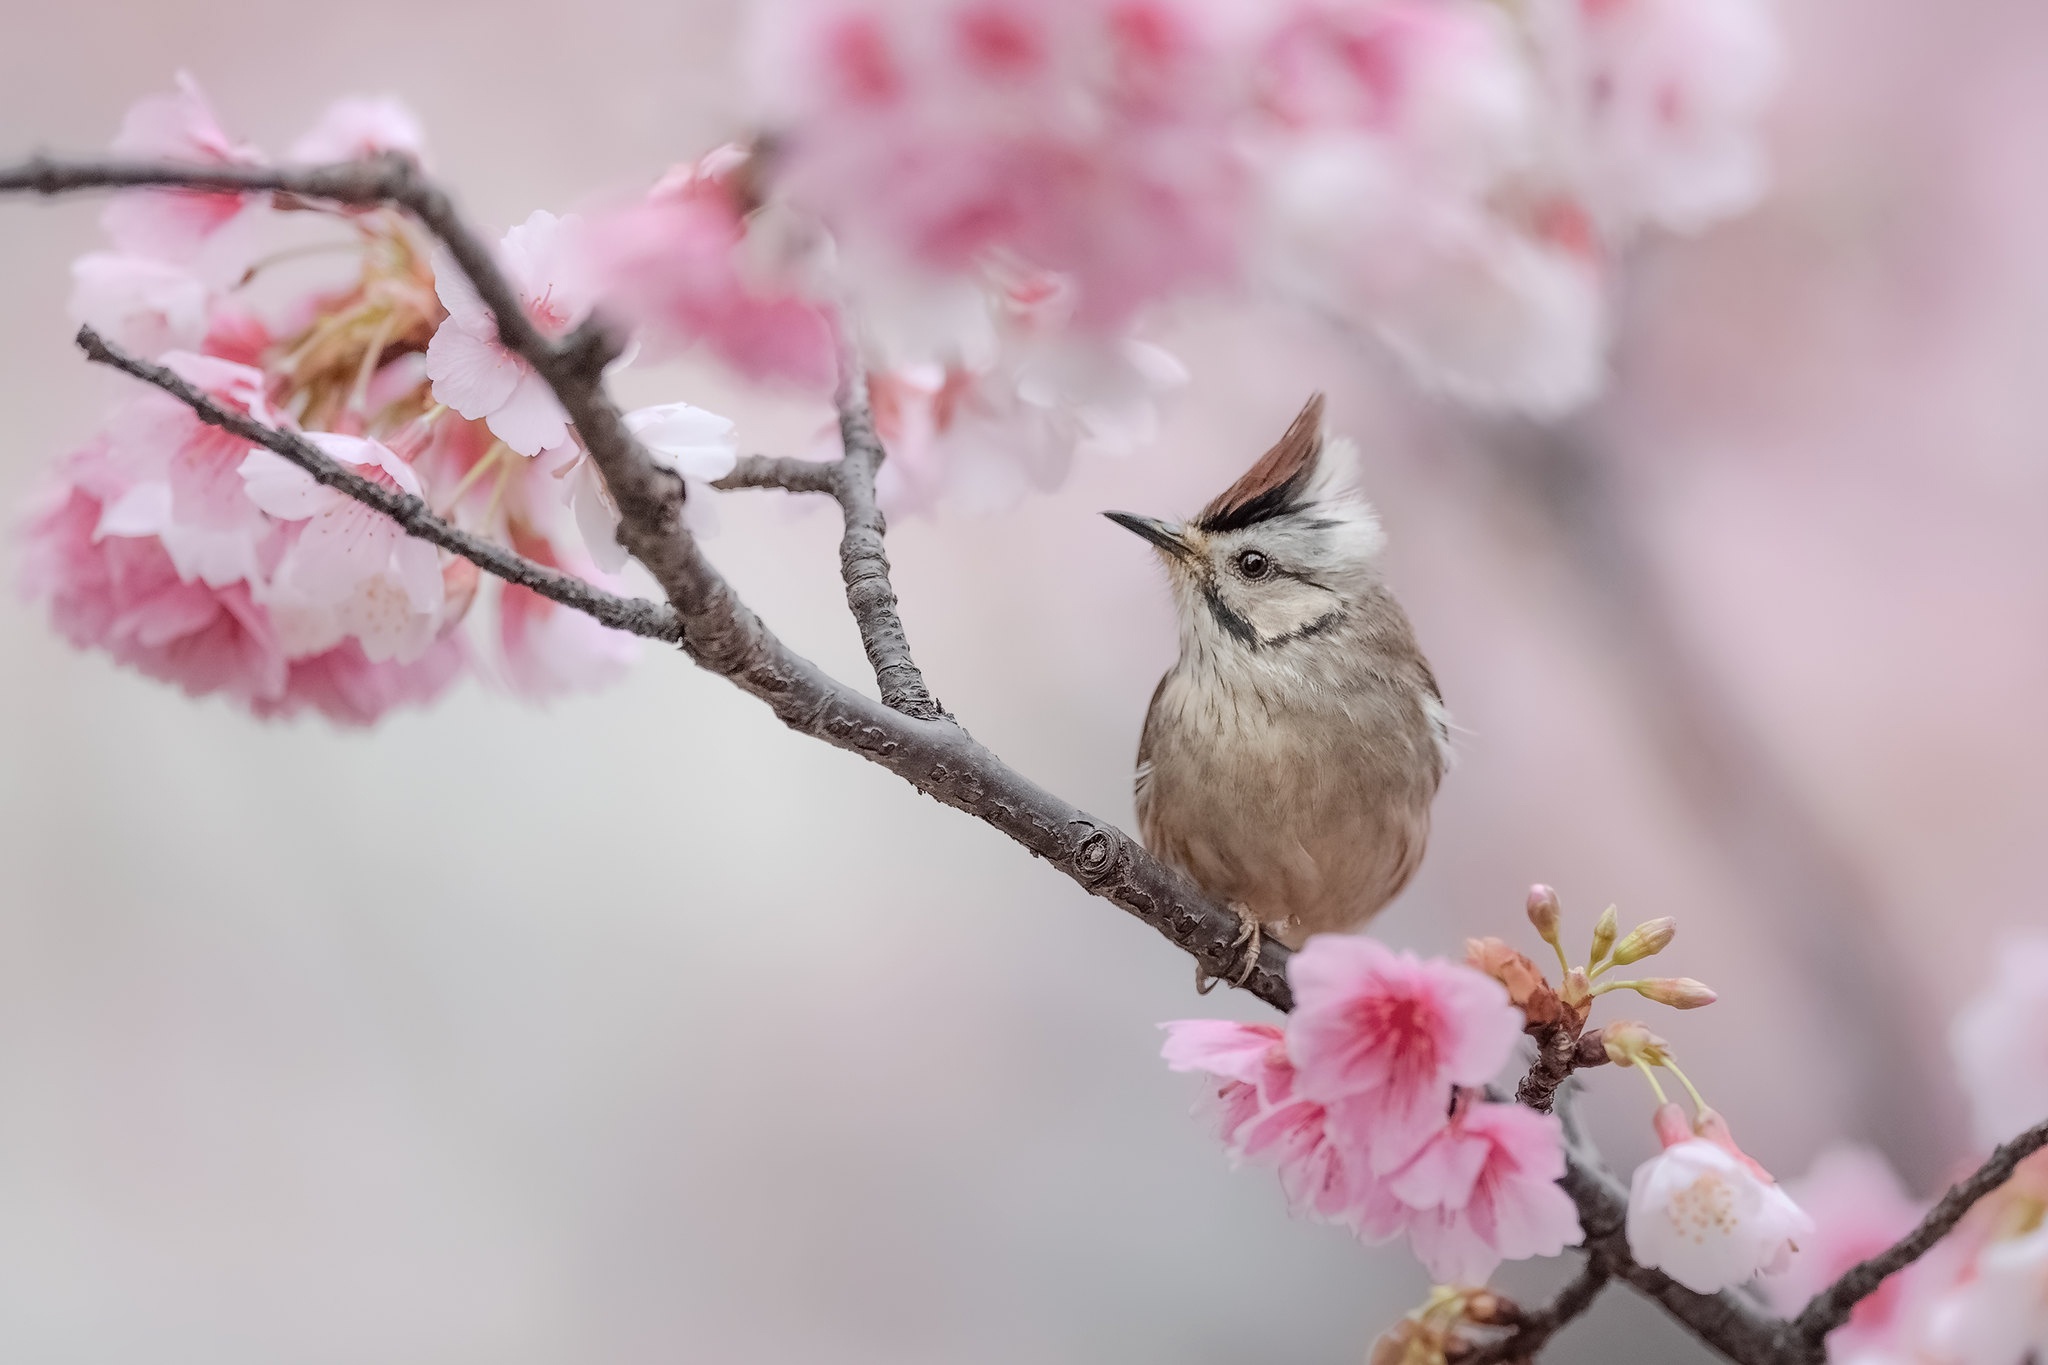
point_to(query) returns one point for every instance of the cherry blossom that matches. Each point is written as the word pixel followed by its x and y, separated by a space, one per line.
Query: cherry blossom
pixel 352 571
pixel 157 442
pixel 681 266
pixel 1397 1032
pixel 1858 1209
pixel 1086 139
pixel 142 304
pixel 345 686
pixel 1662 103
pixel 473 372
pixel 547 650
pixel 1707 1215
pixel 1997 1044
pixel 173 225
pixel 696 443
pixel 1262 1117
pixel 1999 1317
pixel 124 594
pixel 1484 1189
pixel 357 126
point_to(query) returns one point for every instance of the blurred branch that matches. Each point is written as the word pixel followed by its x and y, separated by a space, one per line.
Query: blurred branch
pixel 637 617
pixel 1832 1306
pixel 1536 1329
pixel 1737 788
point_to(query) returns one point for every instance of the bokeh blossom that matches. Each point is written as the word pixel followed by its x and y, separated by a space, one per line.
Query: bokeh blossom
pixel 2000 1043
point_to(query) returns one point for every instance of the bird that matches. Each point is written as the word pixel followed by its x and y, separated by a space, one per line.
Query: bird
pixel 1290 756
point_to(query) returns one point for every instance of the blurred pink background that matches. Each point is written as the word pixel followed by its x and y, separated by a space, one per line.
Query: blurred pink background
pixel 639 1030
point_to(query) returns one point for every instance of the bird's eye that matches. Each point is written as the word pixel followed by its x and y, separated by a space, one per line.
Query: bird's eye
pixel 1252 564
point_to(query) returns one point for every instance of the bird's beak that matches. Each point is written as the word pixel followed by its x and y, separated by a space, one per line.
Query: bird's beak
pixel 1164 535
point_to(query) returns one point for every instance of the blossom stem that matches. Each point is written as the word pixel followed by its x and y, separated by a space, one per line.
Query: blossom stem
pixel 359 392
pixel 489 458
pixel 1651 1076
pixel 1698 1101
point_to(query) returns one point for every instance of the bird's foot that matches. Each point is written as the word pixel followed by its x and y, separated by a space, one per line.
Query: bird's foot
pixel 1251 936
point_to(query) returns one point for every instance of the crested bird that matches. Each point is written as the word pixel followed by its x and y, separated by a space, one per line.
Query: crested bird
pixel 1290 755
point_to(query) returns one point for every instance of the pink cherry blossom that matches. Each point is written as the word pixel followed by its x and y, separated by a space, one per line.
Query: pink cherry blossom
pixel 352 571
pixel 1858 1209
pixel 1706 1215
pixel 357 126
pixel 124 595
pixel 1084 138
pixel 1662 104
pixel 1484 1189
pixel 142 304
pixel 475 373
pixel 154 439
pixel 180 126
pixel 1998 1047
pixel 547 650
pixel 677 266
pixel 345 686
pixel 1262 1117
pixel 1398 1032
pixel 1999 1317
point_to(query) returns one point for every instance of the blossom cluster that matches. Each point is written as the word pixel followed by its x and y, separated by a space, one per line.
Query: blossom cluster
pixel 200 559
pixel 1980 1297
pixel 1014 184
pixel 1367 1105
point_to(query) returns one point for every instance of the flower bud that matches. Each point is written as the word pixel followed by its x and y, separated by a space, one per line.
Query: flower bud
pixel 1645 940
pixel 1628 1042
pixel 1679 992
pixel 1603 936
pixel 1544 913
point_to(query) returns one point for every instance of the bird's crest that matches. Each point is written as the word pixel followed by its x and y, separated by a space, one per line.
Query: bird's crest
pixel 1278 483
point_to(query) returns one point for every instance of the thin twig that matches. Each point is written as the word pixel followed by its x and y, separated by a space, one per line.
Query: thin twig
pixel 1832 1306
pixel 638 617
pixel 1536 1329
pixel 864 561
pixel 784 472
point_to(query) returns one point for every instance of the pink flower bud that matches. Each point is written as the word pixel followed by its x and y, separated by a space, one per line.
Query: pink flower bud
pixel 1544 912
pixel 1679 992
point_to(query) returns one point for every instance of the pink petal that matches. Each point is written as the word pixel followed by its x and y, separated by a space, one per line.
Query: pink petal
pixel 472 374
pixel 1220 1047
pixel 531 419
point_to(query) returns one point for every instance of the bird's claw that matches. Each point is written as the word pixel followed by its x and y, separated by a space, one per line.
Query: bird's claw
pixel 1251 937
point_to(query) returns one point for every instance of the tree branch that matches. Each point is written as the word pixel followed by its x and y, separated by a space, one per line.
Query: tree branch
pixel 781 471
pixel 864 561
pixel 632 615
pixel 1536 1329
pixel 1832 1306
